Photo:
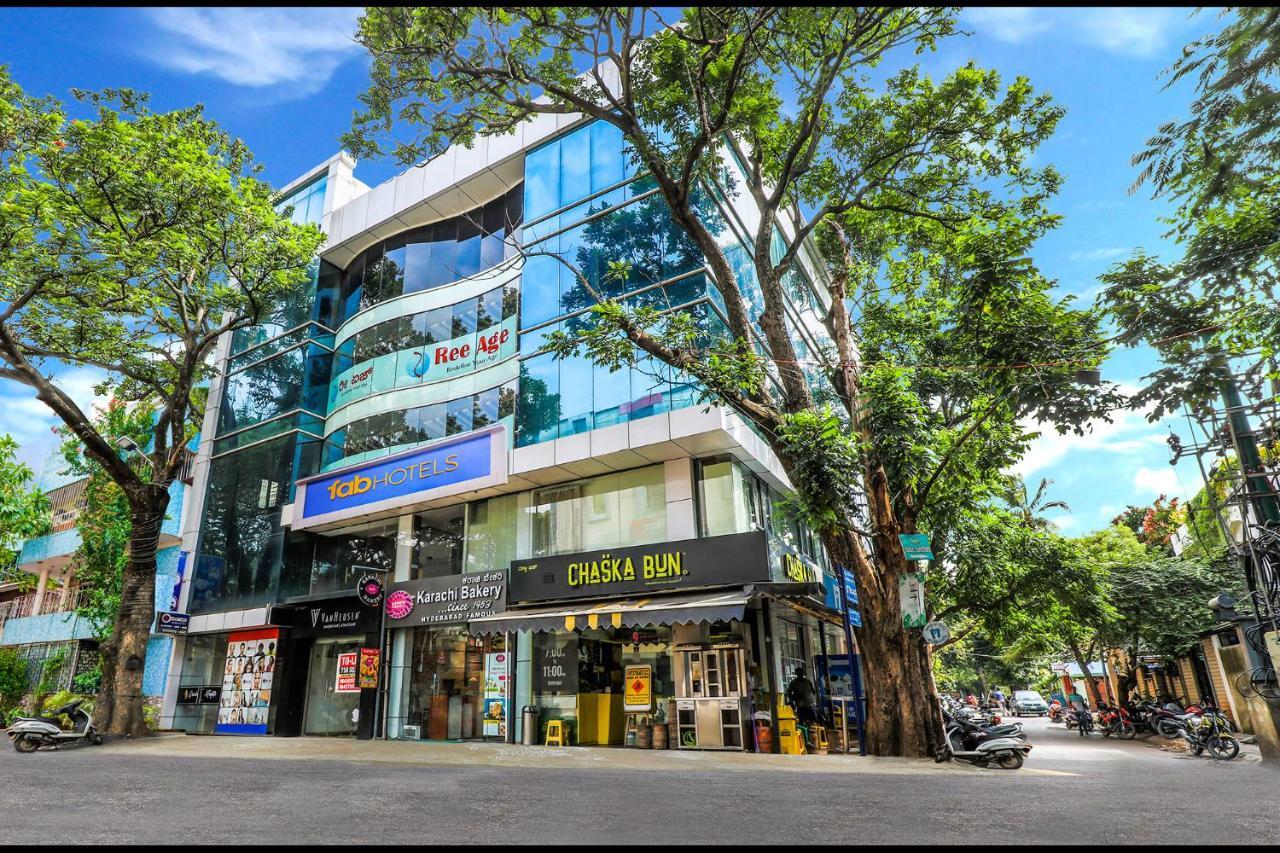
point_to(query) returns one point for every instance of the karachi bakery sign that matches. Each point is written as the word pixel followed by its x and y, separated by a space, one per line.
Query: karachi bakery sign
pixel 476 460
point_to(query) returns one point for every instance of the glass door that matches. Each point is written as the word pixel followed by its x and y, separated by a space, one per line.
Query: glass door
pixel 329 712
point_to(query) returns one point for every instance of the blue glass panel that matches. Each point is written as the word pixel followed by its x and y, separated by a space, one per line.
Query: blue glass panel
pixel 468 248
pixel 650 389
pixel 538 408
pixel 576 387
pixel 612 392
pixel 417 263
pixel 607 157
pixel 531 342
pixel 458 417
pixel 444 256
pixel 539 290
pixel 542 181
pixel 575 166
pixel 431 421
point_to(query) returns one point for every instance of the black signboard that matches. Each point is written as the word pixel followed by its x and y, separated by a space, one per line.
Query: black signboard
pixel 189 695
pixel 450 599
pixel 170 622
pixel 555 664
pixel 663 567
pixel 210 694
pixel 327 618
pixel 369 590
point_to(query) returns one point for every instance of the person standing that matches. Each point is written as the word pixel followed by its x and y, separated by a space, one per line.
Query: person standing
pixel 802 696
pixel 998 698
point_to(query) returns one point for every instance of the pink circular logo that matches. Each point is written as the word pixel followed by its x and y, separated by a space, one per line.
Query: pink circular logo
pixel 399 604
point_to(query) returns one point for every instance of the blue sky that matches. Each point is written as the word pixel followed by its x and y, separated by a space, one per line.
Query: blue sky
pixel 286 81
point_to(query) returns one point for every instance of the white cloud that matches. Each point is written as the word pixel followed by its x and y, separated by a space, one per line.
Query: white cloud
pixel 1129 432
pixel 297 48
pixel 31 422
pixel 1008 23
pixel 1133 32
pixel 1099 254
pixel 1150 483
pixel 1137 32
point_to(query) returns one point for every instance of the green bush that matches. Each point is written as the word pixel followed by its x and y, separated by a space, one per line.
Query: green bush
pixel 89 681
pixel 13 678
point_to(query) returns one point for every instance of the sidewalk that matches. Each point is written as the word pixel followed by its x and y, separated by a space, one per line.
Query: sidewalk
pixel 429 753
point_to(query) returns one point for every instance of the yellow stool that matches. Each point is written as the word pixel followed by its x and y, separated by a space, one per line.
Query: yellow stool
pixel 556 734
pixel 820 745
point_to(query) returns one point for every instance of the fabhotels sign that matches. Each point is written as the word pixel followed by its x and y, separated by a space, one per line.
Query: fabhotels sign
pixel 473 461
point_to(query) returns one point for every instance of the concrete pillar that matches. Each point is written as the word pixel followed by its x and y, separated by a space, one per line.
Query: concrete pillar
pixel 64 601
pixel 682 519
pixel 40 588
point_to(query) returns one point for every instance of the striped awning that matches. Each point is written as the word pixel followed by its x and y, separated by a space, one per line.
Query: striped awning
pixel 659 610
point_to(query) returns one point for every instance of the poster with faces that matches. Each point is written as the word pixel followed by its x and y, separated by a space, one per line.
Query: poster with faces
pixel 247 680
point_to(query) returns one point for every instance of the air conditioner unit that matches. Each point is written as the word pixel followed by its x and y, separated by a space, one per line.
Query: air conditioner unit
pixel 412 733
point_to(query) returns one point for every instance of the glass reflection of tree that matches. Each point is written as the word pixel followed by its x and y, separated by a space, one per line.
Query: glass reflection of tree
pixel 539 409
pixel 643 237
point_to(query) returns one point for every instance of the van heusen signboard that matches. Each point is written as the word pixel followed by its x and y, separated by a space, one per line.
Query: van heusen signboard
pixel 464 463
pixel 451 599
pixel 716 561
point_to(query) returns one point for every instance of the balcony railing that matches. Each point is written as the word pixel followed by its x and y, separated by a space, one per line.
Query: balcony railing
pixel 53 601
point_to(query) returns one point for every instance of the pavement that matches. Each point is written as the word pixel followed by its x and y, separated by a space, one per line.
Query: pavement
pixel 220 790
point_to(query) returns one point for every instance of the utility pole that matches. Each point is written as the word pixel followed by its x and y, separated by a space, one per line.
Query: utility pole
pixel 1259 500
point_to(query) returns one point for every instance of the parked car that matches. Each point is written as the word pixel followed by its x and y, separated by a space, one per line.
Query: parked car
pixel 1028 702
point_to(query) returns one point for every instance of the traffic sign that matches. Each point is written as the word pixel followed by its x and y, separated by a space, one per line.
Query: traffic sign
pixel 937 633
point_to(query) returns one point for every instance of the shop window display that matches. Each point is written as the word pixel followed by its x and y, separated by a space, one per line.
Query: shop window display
pixel 443 684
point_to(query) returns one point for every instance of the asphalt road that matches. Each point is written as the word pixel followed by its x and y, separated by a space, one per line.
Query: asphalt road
pixel 1102 792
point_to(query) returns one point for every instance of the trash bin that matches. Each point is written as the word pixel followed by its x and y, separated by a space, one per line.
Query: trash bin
pixel 529 717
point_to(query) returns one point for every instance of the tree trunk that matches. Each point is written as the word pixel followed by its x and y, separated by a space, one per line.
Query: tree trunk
pixel 1091 683
pixel 903 716
pixel 119 708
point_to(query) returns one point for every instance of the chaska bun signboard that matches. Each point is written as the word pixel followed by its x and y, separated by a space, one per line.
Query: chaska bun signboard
pixel 662 567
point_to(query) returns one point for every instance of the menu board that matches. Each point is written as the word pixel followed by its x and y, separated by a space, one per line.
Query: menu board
pixel 495 694
pixel 247 681
pixel 369 661
pixel 345 681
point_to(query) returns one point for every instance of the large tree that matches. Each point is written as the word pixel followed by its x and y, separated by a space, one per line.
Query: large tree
pixel 129 242
pixel 938 333
pixel 24 509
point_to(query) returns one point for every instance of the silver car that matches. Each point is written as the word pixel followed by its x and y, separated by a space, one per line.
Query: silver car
pixel 1028 702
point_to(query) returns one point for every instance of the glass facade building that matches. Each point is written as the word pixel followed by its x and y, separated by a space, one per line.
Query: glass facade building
pixel 341 450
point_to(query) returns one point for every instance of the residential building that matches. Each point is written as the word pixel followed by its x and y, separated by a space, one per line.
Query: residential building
pixel 38 611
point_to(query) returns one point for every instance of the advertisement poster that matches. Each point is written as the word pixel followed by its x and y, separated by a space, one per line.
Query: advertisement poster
pixel 369 661
pixel 346 677
pixel 495 694
pixel 638 688
pixel 246 682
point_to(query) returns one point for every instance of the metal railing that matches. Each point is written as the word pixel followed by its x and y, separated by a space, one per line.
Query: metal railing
pixel 53 601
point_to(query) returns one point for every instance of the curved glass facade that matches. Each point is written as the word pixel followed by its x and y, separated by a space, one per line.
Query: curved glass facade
pixel 400 428
pixel 433 255
pixel 427 346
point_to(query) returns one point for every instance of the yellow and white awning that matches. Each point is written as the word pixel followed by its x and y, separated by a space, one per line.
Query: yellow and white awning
pixel 658 610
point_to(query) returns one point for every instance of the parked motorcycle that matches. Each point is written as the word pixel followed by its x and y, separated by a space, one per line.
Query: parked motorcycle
pixel 1055 711
pixel 1114 720
pixel 1005 746
pixel 30 733
pixel 1169 718
pixel 1080 720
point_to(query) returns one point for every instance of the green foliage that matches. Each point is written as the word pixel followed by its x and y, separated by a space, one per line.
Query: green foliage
pixel 105 523
pixel 88 682
pixel 130 241
pixel 13 678
pixel 50 670
pixel 1217 302
pixel 24 510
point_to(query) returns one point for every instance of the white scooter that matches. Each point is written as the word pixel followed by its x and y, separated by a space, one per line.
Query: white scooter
pixel 30 733
pixel 979 746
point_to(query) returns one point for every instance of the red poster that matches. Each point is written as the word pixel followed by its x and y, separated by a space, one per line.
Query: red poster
pixel 346 679
pixel 369 661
